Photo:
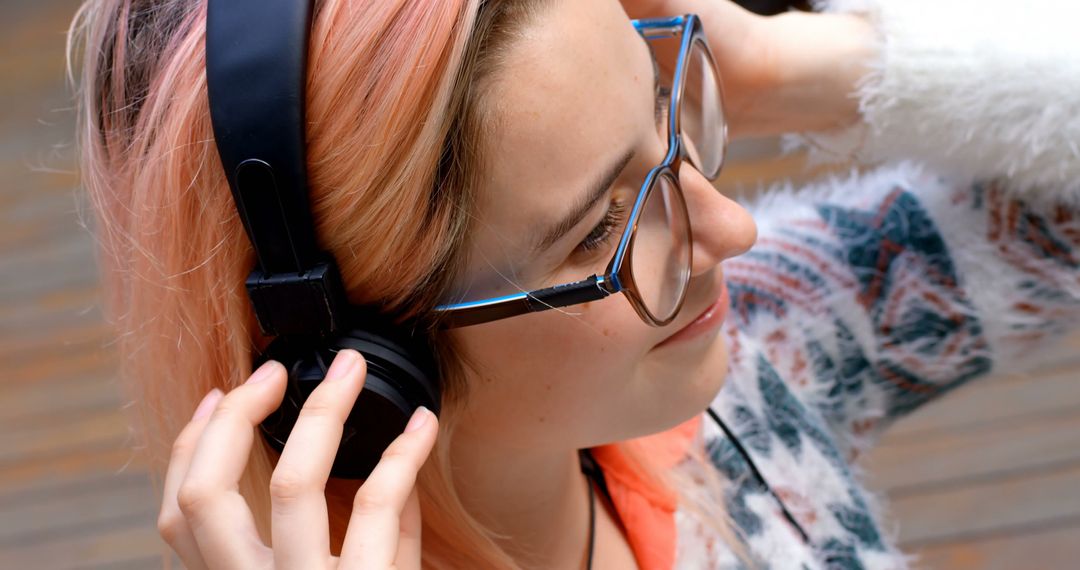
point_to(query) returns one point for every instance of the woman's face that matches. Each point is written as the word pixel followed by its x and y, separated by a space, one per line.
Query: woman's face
pixel 575 98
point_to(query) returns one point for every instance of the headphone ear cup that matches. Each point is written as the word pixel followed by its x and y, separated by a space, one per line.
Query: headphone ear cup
pixel 407 366
pixel 391 394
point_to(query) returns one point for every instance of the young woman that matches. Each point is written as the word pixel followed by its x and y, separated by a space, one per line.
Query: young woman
pixel 461 150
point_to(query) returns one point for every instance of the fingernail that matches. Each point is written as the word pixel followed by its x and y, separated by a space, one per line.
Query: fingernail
pixel 418 419
pixel 207 404
pixel 343 364
pixel 265 371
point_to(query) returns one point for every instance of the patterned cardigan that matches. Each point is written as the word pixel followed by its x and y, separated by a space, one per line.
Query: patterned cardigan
pixel 871 294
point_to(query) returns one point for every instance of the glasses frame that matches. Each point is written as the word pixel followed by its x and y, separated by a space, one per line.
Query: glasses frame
pixel 618 278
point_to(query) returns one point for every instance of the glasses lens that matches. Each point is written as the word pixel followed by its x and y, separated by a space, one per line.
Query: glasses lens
pixel 660 259
pixel 702 114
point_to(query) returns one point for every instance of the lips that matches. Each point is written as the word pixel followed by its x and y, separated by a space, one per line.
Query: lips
pixel 708 320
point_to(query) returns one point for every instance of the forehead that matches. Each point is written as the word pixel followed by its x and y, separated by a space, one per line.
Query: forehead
pixel 569 100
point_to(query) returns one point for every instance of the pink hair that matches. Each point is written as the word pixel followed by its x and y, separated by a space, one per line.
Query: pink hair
pixel 393 132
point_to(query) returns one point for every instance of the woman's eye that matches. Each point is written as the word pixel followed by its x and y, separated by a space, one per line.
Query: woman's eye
pixel 601 235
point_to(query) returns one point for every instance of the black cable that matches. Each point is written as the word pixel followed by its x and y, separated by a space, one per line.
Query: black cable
pixel 592 525
pixel 753 469
pixel 593 475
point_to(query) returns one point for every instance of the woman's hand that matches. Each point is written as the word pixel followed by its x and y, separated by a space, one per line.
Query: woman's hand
pixel 793 72
pixel 208 523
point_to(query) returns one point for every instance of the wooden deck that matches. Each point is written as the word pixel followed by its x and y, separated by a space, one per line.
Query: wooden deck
pixel 986 478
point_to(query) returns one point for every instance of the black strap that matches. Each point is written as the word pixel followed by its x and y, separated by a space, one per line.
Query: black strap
pixel 256 70
pixel 256 74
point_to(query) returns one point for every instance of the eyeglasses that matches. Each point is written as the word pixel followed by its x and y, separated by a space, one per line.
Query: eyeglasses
pixel 658 228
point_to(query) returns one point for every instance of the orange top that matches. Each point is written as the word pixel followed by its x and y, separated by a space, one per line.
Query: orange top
pixel 646 510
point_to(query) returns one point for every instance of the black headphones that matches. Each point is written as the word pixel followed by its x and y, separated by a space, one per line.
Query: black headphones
pixel 256 70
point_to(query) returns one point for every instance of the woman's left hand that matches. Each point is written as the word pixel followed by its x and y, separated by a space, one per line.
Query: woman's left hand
pixel 793 72
pixel 209 524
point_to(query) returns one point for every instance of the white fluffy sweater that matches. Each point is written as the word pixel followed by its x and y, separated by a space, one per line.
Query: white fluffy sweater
pixel 976 87
pixel 867 296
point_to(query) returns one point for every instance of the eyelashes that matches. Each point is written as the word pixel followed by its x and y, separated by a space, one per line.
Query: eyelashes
pixel 601 235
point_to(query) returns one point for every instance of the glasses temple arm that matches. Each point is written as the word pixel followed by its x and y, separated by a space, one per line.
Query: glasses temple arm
pixel 589 289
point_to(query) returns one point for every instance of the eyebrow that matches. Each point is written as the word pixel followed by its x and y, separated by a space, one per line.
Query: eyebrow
pixel 596 191
pixel 600 188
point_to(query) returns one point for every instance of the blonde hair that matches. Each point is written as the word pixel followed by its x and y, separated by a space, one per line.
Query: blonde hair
pixel 393 130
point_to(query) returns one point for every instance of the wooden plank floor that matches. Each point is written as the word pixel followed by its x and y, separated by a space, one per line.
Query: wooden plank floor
pixel 986 478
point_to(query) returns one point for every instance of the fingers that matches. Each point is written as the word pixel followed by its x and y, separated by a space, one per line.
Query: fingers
pixel 171 523
pixel 217 514
pixel 377 522
pixel 301 537
pixel 209 524
pixel 408 550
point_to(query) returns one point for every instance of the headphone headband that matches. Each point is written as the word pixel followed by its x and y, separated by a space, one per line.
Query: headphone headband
pixel 256 72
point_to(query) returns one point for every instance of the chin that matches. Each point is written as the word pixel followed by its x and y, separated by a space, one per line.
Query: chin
pixel 683 388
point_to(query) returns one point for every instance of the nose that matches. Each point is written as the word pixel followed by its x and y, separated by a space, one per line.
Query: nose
pixel 721 228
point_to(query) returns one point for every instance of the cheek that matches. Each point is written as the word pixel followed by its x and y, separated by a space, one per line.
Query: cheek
pixel 551 372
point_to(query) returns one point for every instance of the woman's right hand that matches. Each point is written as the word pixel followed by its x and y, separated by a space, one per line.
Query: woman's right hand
pixel 209 524
pixel 796 71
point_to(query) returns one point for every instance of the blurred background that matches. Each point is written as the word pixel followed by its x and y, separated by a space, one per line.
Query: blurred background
pixel 988 477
